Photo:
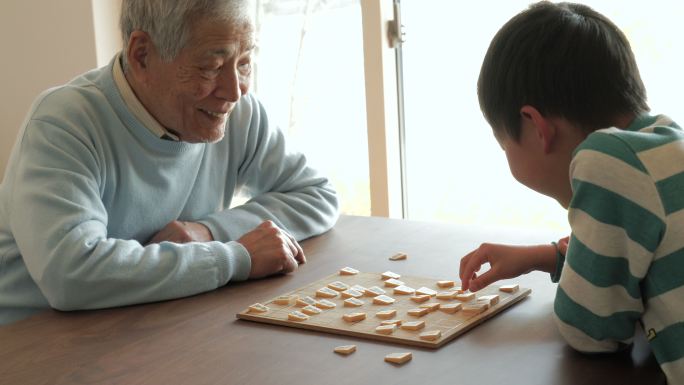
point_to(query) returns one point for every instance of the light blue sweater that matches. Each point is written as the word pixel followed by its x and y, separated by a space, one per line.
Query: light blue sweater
pixel 88 185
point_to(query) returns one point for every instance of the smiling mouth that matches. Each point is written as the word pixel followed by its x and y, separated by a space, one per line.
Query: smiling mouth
pixel 217 115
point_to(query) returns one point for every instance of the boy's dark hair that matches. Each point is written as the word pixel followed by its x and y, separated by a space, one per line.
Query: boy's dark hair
pixel 564 59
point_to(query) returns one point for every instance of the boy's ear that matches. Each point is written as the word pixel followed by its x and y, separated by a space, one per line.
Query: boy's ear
pixel 544 128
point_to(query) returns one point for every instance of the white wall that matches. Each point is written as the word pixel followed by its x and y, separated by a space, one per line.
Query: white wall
pixel 44 43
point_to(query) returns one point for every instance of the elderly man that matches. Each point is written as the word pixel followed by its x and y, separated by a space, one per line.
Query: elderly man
pixel 119 187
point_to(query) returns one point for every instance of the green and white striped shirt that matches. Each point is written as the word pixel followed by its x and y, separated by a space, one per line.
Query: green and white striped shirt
pixel 625 259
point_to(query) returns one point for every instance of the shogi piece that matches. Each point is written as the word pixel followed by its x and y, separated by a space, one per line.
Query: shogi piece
pixel 258 308
pixel 420 298
pixel 351 293
pixel 393 282
pixel 390 275
pixel 383 300
pixel 391 322
pixel 354 317
pixel 348 271
pixel 311 310
pixel 339 286
pixel 353 302
pixel 492 299
pixel 509 288
pixel 398 257
pixel 419 312
pixel 446 295
pixel 450 307
pixel 284 300
pixel 325 304
pixel 445 284
pixel 431 335
pixel 305 301
pixel 297 316
pixel 386 329
pixel 475 308
pixel 398 358
pixel 404 290
pixel 432 306
pixel 426 291
pixel 386 314
pixel 413 325
pixel 374 291
pixel 465 297
pixel 345 349
pixel 326 292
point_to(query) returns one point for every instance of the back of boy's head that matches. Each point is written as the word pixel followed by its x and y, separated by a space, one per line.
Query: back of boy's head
pixel 564 59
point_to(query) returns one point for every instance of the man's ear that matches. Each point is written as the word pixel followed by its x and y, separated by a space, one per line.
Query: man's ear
pixel 138 52
pixel 544 128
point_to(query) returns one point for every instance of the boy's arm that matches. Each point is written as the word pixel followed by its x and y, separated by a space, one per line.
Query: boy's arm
pixel 505 261
pixel 617 222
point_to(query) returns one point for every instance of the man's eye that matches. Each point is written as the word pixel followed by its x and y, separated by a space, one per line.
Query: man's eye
pixel 245 68
pixel 211 71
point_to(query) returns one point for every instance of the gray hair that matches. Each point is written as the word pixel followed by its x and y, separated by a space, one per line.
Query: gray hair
pixel 169 22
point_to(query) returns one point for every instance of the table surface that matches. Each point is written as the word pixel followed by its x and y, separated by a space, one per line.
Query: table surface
pixel 198 340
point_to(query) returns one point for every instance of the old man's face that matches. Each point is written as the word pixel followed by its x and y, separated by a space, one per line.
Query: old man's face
pixel 195 92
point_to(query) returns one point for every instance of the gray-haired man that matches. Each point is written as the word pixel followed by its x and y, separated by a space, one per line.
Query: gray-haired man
pixel 119 187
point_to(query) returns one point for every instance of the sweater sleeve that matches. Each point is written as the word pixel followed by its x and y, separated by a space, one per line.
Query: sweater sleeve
pixel 280 185
pixel 616 219
pixel 59 223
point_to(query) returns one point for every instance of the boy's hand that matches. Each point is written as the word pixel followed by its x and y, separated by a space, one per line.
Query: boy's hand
pixel 505 262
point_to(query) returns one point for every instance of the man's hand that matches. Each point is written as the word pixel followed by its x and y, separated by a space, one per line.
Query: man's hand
pixel 183 232
pixel 272 250
pixel 505 262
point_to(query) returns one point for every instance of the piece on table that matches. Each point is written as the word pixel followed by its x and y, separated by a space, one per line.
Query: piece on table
pixel 446 295
pixel 431 335
pixel 386 314
pixel 491 299
pixel 325 304
pixel 284 299
pixel 475 308
pixel 393 282
pixel 418 312
pixel 432 306
pixel 413 325
pixel 345 349
pixel 351 293
pixel 391 322
pixel 353 302
pixel 305 301
pixel 358 288
pixel 383 300
pixel 509 288
pixel 398 358
pixel 326 292
pixel 258 308
pixel 446 283
pixel 465 297
pixel 311 310
pixel 348 271
pixel 374 291
pixel 426 291
pixel 451 307
pixel 354 317
pixel 386 329
pixel 398 257
pixel 420 298
pixel 390 275
pixel 404 290
pixel 297 316
pixel 339 286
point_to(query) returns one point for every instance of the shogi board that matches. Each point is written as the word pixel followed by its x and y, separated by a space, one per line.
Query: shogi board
pixel 450 325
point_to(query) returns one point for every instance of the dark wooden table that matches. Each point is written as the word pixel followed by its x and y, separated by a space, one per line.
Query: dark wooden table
pixel 198 340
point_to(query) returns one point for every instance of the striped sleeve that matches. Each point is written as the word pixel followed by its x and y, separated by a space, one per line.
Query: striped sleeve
pixel 617 222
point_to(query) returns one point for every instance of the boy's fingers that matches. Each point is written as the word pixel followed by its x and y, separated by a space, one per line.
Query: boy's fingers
pixel 483 280
pixel 472 265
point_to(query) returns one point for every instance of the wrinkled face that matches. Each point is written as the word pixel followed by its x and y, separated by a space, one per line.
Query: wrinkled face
pixel 195 92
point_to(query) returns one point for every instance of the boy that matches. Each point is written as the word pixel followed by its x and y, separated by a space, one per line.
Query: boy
pixel 560 87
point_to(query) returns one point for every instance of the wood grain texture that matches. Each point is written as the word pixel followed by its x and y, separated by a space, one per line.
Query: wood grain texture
pixel 198 340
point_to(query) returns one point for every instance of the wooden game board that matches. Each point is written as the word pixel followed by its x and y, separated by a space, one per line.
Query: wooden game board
pixel 450 325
